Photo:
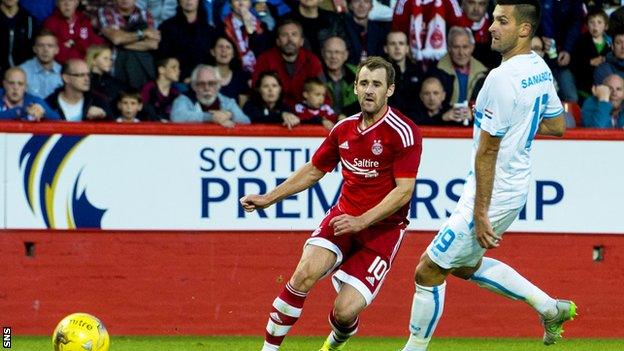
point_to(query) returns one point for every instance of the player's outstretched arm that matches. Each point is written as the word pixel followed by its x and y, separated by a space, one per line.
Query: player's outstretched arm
pixel 303 178
pixel 399 196
pixel 485 167
pixel 552 126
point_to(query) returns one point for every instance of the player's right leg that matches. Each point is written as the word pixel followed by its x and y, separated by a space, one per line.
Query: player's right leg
pixel 315 263
pixel 427 303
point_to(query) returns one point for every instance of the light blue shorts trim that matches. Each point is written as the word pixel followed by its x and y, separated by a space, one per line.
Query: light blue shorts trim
pixel 456 244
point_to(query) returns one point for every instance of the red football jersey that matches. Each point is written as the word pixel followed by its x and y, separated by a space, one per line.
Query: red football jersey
pixel 371 160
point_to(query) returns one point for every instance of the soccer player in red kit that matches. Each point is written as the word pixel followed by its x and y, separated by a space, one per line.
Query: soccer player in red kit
pixel 379 150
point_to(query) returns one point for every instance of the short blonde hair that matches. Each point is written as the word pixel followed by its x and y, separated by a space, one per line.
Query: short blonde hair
pixel 93 52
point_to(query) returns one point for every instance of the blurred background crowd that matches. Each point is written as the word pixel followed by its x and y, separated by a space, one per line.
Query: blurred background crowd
pixel 288 62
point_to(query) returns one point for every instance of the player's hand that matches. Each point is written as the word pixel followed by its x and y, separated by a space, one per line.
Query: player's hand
pixel 345 224
pixel 253 202
pixel 486 236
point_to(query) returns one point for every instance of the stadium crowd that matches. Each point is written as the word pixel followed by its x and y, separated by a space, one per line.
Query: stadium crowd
pixel 288 62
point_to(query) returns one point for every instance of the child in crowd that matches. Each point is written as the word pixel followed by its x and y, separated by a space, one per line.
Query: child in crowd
pixel 313 109
pixel 590 51
pixel 129 106
pixel 158 95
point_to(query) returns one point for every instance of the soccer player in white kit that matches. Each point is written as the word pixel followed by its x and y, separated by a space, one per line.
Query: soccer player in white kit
pixel 517 101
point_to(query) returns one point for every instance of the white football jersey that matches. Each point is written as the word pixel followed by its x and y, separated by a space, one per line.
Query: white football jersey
pixel 514 99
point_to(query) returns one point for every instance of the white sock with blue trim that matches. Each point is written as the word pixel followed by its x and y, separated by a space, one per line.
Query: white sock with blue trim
pixel 427 308
pixel 500 278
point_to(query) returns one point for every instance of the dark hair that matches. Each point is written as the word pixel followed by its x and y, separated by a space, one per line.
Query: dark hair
pixel 525 11
pixel 286 22
pixel 256 96
pixel 598 13
pixel 163 62
pixel 130 94
pixel 235 63
pixel 376 62
pixel 312 82
pixel 45 32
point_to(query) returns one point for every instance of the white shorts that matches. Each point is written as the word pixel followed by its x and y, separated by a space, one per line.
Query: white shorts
pixel 456 244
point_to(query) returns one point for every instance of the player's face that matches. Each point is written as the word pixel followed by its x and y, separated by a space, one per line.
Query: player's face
pixel 396 46
pixel 504 29
pixel 372 90
pixel 474 9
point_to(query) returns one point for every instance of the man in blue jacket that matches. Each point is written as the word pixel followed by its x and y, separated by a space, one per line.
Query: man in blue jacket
pixel 604 108
pixel 15 103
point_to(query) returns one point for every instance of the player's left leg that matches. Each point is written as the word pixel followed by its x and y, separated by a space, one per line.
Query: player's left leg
pixel 359 280
pixel 502 279
pixel 343 318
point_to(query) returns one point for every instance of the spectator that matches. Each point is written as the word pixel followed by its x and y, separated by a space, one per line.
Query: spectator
pixel 129 106
pixel 561 24
pixel 365 37
pixel 408 74
pixel 317 24
pixel 17 34
pixel 213 8
pixel 74 101
pixel 313 109
pixel 247 31
pixel 291 61
pixel 16 103
pixel 473 15
pixel 132 32
pixel 100 62
pixel 73 30
pixel 187 36
pixel 614 61
pixel 161 10
pixel 266 105
pixel 158 96
pixel 468 73
pixel 42 72
pixel 537 45
pixel 234 80
pixel 267 11
pixel 92 7
pixel 604 108
pixel 204 103
pixel 40 9
pixel 431 107
pixel 340 77
pixel 590 51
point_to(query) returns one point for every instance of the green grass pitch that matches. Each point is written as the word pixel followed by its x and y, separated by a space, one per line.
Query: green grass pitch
pixel 295 343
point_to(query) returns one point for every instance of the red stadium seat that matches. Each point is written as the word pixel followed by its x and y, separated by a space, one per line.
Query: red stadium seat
pixel 575 110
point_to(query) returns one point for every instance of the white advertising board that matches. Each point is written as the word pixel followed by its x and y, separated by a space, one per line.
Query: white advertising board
pixel 194 183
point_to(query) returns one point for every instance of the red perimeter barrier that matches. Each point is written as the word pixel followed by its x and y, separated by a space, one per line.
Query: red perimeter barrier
pixel 224 283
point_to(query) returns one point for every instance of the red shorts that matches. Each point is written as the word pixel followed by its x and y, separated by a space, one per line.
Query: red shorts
pixel 364 258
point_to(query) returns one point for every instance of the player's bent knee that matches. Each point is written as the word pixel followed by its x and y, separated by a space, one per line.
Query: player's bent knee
pixel 428 273
pixel 345 313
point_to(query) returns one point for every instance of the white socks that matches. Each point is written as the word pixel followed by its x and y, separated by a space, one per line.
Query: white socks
pixel 427 308
pixel 502 279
